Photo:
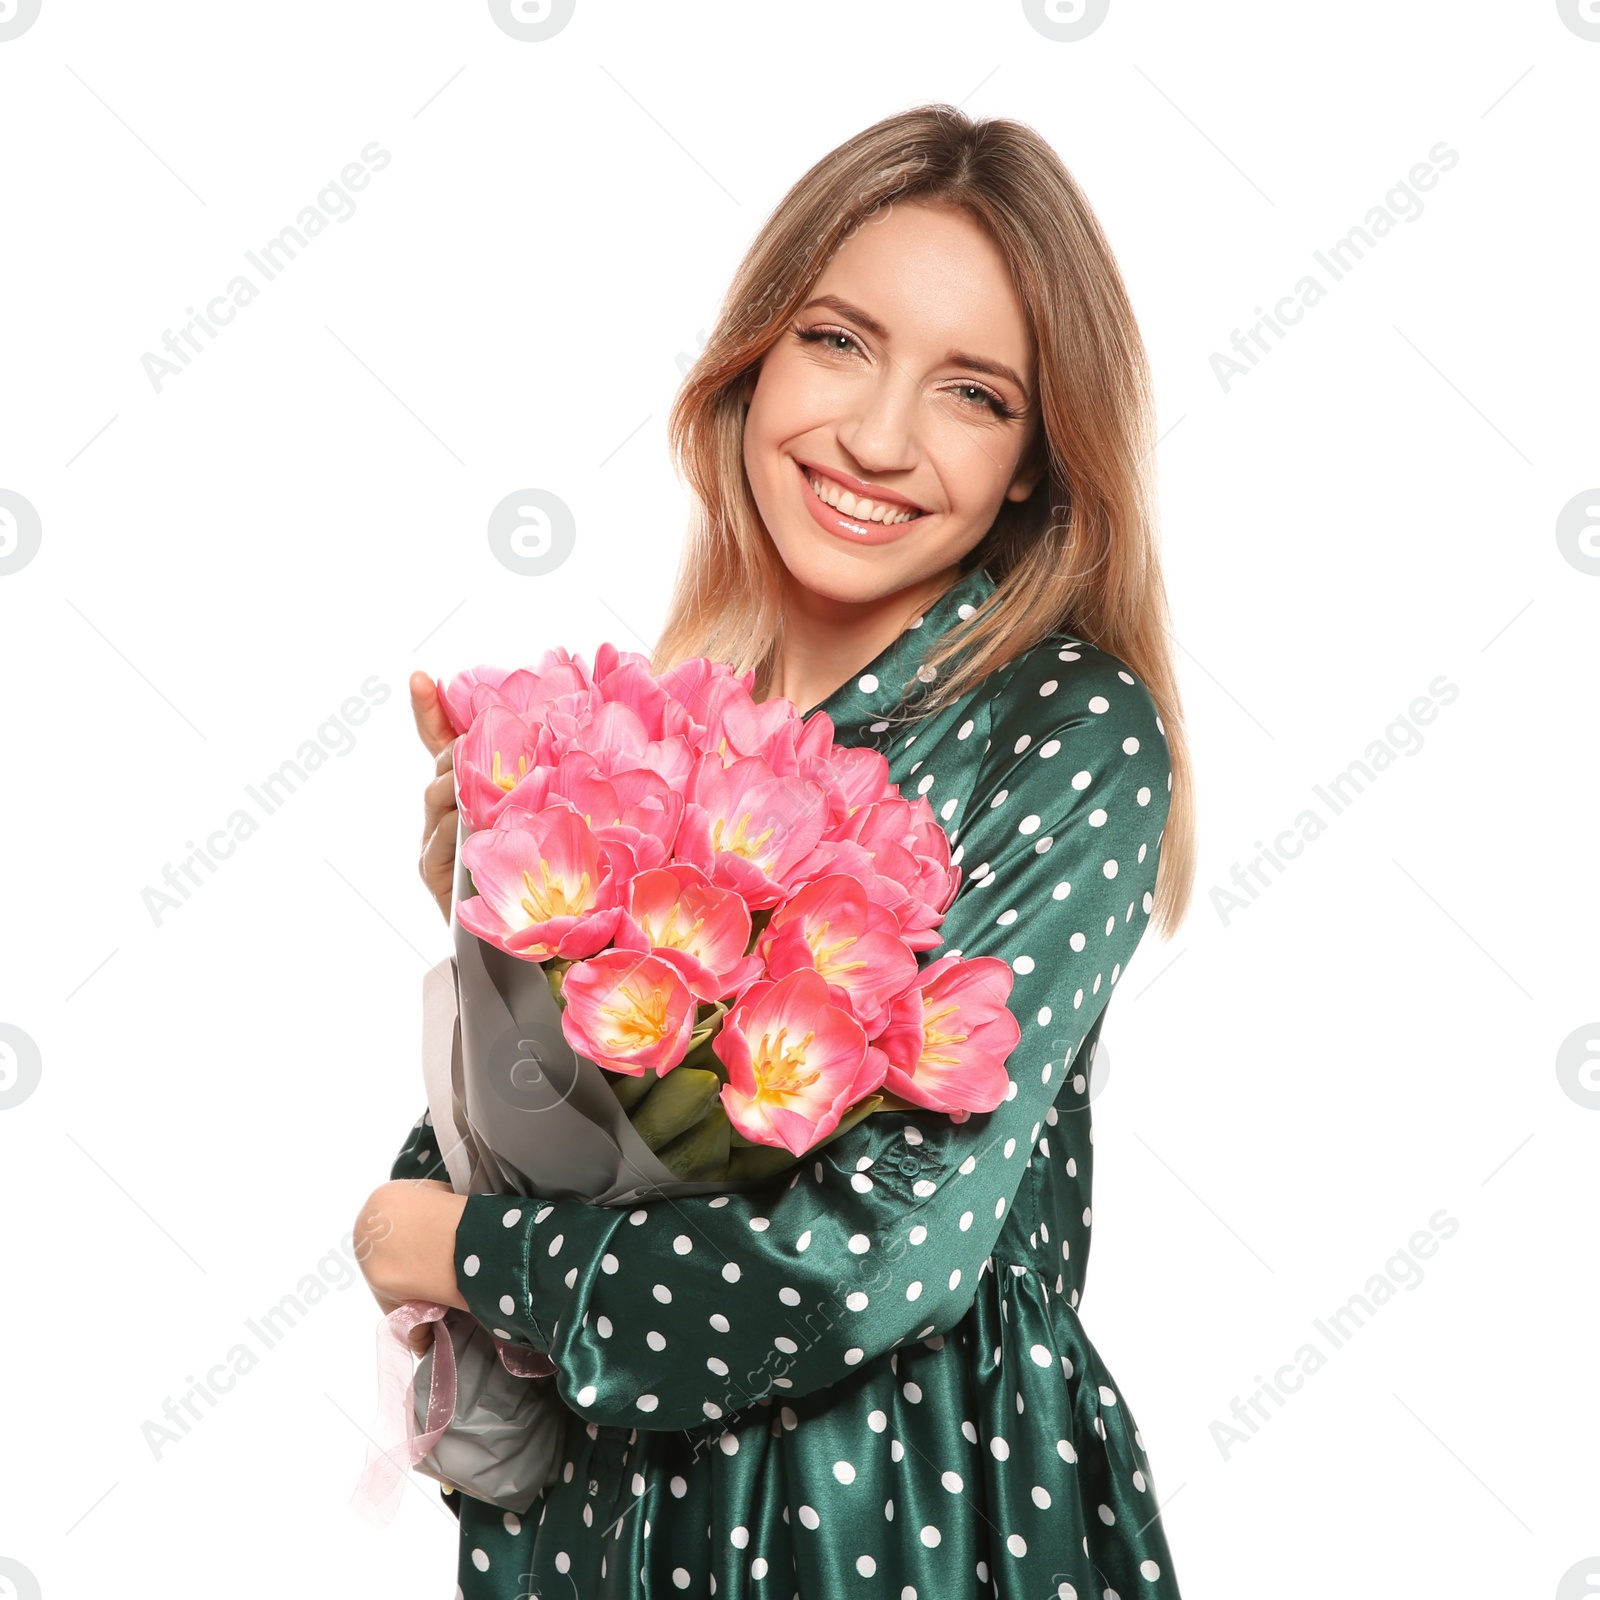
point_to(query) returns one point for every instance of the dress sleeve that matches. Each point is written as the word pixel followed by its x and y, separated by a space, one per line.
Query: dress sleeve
pixel 680 1311
pixel 419 1155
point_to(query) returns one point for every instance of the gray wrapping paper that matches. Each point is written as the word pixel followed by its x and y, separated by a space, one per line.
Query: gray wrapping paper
pixel 517 1111
pixel 505 1439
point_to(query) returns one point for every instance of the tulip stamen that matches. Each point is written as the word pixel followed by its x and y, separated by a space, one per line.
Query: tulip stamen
pixel 933 1036
pixel 635 1021
pixel 737 843
pixel 824 954
pixel 504 779
pixel 546 901
pixel 783 1068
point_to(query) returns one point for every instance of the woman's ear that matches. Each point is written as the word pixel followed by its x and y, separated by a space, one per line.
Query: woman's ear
pixel 1029 470
pixel 1024 484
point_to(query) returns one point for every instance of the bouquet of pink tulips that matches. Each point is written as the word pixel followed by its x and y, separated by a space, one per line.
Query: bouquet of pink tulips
pixel 687 929
pixel 726 906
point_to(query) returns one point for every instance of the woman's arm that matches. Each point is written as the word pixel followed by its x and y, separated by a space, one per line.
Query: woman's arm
pixel 405 1242
pixel 680 1310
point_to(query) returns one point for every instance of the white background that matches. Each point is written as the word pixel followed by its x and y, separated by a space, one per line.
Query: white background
pixel 1293 1091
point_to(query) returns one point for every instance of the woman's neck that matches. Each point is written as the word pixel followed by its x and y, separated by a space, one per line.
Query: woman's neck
pixel 825 642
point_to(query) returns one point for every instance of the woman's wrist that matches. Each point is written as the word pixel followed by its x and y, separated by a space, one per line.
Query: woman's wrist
pixel 405 1241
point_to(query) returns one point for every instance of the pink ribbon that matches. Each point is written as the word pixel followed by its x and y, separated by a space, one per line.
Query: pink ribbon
pixel 522 1363
pixel 399 1446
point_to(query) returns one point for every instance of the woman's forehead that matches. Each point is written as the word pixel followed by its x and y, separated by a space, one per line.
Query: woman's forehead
pixel 931 278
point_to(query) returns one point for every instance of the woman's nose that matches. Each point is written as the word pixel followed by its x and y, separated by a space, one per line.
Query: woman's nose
pixel 881 432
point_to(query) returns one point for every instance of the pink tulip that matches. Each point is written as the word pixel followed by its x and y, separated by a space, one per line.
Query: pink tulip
pixel 546 885
pixel 621 723
pixel 609 658
pixel 456 696
pixel 914 850
pixel 796 1062
pixel 892 878
pixel 632 805
pixel 628 1011
pixel 495 754
pixel 831 927
pixel 679 915
pixel 888 845
pixel 738 726
pixel 559 678
pixel 950 1034
pixel 854 776
pixel 522 691
pixel 702 689
pixel 630 686
pixel 747 829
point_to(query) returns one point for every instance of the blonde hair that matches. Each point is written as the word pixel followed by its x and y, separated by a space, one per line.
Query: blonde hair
pixel 1079 554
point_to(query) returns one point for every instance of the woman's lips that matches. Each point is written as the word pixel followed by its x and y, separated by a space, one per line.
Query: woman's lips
pixel 835 522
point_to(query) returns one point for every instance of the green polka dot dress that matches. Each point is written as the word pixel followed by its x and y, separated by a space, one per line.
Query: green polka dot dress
pixel 869 1376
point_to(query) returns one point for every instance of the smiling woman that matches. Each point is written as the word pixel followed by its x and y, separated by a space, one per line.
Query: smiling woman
pixel 931 319
pixel 919 441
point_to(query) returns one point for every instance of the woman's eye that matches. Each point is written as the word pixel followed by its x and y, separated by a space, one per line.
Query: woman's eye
pixel 834 339
pixel 974 394
pixel 839 342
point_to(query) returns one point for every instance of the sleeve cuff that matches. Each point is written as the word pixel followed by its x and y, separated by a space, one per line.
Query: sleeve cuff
pixel 496 1238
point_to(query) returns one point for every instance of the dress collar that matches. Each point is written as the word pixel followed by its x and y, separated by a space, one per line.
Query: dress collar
pixel 870 695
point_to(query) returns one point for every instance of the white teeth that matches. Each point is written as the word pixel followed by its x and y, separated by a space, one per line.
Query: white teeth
pixel 842 500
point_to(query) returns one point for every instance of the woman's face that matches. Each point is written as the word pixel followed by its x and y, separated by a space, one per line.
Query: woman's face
pixel 891 418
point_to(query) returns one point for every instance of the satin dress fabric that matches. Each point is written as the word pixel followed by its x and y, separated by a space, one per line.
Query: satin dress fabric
pixel 870 1376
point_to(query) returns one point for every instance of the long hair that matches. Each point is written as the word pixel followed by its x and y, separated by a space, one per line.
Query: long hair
pixel 1079 554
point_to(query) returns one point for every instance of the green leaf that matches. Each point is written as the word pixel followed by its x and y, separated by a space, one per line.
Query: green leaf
pixel 700 1153
pixel 758 1161
pixel 747 1159
pixel 555 973
pixel 629 1090
pixel 677 1102
pixel 893 1102
pixel 703 1059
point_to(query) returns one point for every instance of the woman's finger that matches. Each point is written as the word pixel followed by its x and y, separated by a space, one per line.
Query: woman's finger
pixel 439 854
pixel 433 726
pixel 437 864
pixel 439 797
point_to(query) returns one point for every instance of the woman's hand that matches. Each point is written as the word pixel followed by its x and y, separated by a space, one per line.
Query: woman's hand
pixel 438 861
pixel 420 1336
pixel 405 1242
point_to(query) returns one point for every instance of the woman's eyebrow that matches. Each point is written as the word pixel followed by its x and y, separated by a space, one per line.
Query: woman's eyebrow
pixel 960 358
pixel 995 369
pixel 855 313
